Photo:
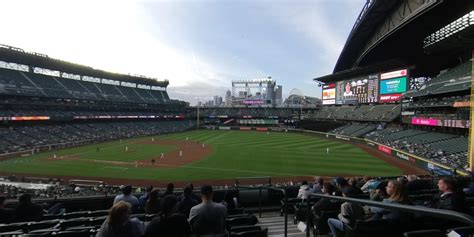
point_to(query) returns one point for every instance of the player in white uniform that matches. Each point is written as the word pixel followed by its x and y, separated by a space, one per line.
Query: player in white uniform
pixel 327 150
pixel 180 153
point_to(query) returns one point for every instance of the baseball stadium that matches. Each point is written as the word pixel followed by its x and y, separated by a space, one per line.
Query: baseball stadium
pixel 384 150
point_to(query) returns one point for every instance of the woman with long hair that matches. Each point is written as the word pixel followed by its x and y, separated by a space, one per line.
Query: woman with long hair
pixel 169 223
pixel 152 205
pixel 119 224
pixel 396 194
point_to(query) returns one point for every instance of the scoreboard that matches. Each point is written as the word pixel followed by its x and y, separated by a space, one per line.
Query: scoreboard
pixel 374 88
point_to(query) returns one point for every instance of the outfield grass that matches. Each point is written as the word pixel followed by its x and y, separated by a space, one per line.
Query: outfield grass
pixel 235 154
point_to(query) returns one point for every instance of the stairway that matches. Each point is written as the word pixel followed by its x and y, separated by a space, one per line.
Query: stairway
pixel 275 225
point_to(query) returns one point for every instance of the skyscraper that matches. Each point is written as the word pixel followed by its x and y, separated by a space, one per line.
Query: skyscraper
pixel 278 95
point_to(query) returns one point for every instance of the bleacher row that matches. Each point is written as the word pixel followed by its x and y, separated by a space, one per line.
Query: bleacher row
pixel 18 83
pixel 354 130
pixel 21 138
pixel 385 113
pixel 455 79
pixel 253 112
pixel 448 149
pixel 63 113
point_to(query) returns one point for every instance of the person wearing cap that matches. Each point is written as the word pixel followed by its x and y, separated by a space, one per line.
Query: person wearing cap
pixel 208 218
pixel 127 196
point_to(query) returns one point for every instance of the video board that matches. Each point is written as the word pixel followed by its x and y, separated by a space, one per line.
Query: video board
pixel 392 85
pixel 329 94
pixel 360 90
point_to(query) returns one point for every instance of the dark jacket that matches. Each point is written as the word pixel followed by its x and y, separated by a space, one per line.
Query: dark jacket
pixel 451 201
pixel 175 225
pixel 185 205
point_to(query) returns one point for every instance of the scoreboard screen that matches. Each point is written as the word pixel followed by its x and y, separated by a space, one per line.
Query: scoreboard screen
pixel 361 90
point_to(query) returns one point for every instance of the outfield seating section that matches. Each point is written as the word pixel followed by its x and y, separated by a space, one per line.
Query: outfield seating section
pixel 455 79
pixel 14 82
pixel 253 112
pixel 355 130
pixel 21 138
pixel 385 113
pixel 447 149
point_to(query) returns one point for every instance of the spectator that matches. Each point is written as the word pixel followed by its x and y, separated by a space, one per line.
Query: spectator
pixel 318 184
pixel 208 217
pixel 231 201
pixel 304 190
pixel 353 186
pixel 152 206
pixel 380 192
pixel 144 198
pixel 350 212
pixel 169 223
pixel 187 202
pixel 450 198
pixel 368 181
pixel 27 210
pixel 127 196
pixel 397 194
pixel 169 190
pixel 193 194
pixel 325 204
pixel 119 224
pixel 6 214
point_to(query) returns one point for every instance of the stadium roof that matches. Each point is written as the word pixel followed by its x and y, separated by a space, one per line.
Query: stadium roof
pixel 17 55
pixel 405 40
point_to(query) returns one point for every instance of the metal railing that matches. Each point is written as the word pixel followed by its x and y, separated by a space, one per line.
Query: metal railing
pixel 446 214
pixel 285 198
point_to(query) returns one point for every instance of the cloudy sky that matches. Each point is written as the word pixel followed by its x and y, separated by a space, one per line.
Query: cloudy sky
pixel 199 45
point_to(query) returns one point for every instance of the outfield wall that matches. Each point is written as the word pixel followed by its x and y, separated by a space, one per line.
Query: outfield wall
pixel 418 161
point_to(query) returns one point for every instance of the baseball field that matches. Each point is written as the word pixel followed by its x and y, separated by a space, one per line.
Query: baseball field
pixel 204 155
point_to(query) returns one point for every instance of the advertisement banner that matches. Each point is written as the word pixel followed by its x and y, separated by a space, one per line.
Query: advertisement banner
pixel 461 104
pixel 390 98
pixel 399 73
pixel 329 94
pixel 385 149
pixel 245 128
pixel 424 121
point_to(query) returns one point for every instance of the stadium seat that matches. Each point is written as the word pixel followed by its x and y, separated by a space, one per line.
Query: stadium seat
pixel 425 233
pixel 463 231
pixel 241 221
pixel 251 233
pixel 11 233
pixel 244 228
pixel 320 221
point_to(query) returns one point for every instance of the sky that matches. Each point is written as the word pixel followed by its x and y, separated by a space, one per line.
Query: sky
pixel 200 46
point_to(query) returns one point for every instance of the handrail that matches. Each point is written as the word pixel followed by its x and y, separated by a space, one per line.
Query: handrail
pixel 451 215
pixel 285 198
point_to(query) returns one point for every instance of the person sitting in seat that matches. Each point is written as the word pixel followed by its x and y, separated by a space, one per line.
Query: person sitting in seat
pixel 350 212
pixel 168 223
pixel 27 210
pixel 153 206
pixel 450 198
pixel 187 202
pixel 127 196
pixel 397 194
pixel 208 218
pixel 304 190
pixel 119 224
pixel 6 214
